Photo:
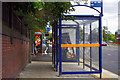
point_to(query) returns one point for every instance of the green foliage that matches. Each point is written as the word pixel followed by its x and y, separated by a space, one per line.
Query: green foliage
pixel 38 14
pixel 107 35
pixel 81 34
pixel 23 8
pixel 39 5
pixel 111 37
pixel 104 34
pixel 54 10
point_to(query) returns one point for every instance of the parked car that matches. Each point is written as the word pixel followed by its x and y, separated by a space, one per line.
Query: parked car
pixel 87 42
pixel 104 44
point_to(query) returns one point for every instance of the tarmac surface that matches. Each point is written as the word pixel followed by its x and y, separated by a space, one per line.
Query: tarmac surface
pixel 110 58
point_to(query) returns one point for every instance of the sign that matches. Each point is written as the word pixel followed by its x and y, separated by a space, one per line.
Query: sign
pixel 95 3
pixel 38 42
pixel 47 34
pixel 47 29
pixel 38 33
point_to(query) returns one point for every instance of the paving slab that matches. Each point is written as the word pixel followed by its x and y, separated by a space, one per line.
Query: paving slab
pixel 45 70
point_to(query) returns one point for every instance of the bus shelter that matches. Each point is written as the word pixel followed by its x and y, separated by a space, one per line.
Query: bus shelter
pixel 78 37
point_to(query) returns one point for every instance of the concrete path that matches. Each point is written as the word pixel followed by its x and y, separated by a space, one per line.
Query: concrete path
pixel 38 69
pixel 42 57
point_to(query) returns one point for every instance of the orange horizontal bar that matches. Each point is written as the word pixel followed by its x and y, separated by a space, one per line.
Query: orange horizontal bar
pixel 80 45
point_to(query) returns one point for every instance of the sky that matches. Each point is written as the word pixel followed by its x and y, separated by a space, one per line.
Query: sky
pixel 110 12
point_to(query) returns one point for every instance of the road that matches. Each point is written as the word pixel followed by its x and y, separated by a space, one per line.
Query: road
pixel 110 58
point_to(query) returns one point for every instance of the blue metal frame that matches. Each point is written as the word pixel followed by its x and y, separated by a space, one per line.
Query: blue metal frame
pixel 91 67
pixel 100 48
pixel 81 72
pixel 101 13
pixel 85 17
pixel 60 55
pixel 78 52
pixel 90 47
pixel 88 7
pixel 83 47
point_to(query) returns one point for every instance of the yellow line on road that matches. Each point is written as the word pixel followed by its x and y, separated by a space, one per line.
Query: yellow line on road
pixel 110 72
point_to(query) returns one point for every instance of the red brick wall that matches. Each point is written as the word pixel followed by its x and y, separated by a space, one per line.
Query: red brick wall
pixel 0 57
pixel 14 56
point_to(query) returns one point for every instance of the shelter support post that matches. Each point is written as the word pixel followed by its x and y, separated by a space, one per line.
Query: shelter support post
pixel 78 50
pixel 100 48
pixel 83 47
pixel 90 47
pixel 60 54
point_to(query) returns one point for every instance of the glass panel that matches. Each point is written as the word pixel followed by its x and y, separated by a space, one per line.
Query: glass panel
pixel 69 37
pixel 88 55
pixel 95 32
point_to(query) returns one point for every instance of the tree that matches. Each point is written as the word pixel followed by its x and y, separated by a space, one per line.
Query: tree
pixel 107 33
pixel 81 34
pixel 104 33
pixel 38 14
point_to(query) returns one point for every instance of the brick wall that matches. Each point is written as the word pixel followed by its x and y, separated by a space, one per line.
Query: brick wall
pixel 0 57
pixel 15 43
pixel 14 56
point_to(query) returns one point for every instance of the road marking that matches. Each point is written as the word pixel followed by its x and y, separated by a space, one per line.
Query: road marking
pixel 111 73
pixel 113 46
pixel 109 54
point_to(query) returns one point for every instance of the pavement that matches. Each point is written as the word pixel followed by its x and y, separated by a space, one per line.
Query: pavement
pixel 44 69
pixel 41 67
pixel 38 69
pixel 42 57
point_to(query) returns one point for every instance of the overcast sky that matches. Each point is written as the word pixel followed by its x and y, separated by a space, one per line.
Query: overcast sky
pixel 110 12
pixel 110 17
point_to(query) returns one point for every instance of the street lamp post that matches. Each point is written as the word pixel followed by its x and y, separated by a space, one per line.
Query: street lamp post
pixel 107 29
